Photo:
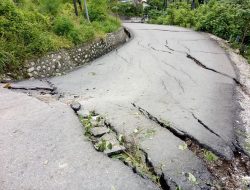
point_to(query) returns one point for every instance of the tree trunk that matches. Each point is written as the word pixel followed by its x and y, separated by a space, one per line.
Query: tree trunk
pixel 193 5
pixel 165 4
pixel 80 4
pixel 86 10
pixel 242 49
pixel 75 6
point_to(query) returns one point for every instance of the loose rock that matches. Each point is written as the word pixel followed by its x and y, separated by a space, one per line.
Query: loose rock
pixel 96 118
pixel 31 69
pixel 94 123
pixel 83 113
pixel 111 138
pixel 115 150
pixel 99 131
pixel 76 106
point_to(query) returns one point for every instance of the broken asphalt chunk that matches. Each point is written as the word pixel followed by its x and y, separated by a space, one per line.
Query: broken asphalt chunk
pixel 99 131
pixel 76 106
pixel 83 113
pixel 110 137
pixel 117 149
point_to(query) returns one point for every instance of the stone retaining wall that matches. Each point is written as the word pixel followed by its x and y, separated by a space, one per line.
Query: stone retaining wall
pixel 58 63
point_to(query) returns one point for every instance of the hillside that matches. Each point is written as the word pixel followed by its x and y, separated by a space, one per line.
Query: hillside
pixel 31 28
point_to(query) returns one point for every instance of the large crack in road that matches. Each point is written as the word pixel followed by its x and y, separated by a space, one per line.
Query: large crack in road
pixel 243 87
pixel 177 132
pixel 182 112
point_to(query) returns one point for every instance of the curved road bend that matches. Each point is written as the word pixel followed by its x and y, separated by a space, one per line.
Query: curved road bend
pixel 173 80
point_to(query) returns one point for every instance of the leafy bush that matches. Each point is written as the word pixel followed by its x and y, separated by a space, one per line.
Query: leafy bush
pixel 31 28
pixel 63 26
pixel 50 6
pixel 97 10
pixel 156 4
pixel 219 19
pixel 179 13
pixel 153 13
pixel 128 9
pixel 19 31
pixel 110 25
pixel 223 19
pixel 228 19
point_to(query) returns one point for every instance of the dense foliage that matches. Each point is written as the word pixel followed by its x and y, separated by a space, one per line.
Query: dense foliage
pixel 127 9
pixel 222 19
pixel 33 27
pixel 228 19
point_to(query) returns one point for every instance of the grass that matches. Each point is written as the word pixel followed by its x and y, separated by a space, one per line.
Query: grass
pixel 31 28
pixel 209 156
pixel 133 156
pixel 136 161
pixel 246 53
pixel 86 122
pixel 192 178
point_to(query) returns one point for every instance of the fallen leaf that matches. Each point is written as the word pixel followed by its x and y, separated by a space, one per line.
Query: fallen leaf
pixel 183 146
pixel 192 178
pixel 7 85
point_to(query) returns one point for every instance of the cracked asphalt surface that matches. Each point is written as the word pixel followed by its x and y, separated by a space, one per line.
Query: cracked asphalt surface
pixel 178 82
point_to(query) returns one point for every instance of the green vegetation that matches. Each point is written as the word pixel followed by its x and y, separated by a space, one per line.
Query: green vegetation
pixel 224 19
pixel 134 157
pixel 127 9
pixel 31 28
pixel 192 178
pixel 209 156
pixel 228 19
pixel 183 146
pixel 103 145
pixel 247 144
pixel 87 125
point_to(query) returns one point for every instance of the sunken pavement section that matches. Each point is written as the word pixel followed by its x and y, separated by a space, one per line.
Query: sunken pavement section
pixel 161 112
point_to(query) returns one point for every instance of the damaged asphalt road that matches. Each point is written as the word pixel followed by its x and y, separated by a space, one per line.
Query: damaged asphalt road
pixel 174 81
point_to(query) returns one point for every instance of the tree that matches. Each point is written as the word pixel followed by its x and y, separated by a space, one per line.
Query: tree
pixel 86 10
pixel 243 7
pixel 80 6
pixel 165 4
pixel 75 6
pixel 157 4
pixel 245 15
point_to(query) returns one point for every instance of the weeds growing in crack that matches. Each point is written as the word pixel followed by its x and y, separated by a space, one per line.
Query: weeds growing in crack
pixel 88 125
pixel 136 160
pixel 247 145
pixel 103 145
pixel 117 146
pixel 135 157
pixel 209 156
pixel 228 175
